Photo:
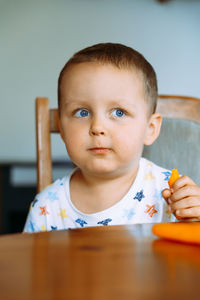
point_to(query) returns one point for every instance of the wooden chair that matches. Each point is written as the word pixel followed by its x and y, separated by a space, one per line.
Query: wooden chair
pixel 165 151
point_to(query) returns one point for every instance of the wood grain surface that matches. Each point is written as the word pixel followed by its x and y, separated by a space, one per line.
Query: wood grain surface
pixel 111 262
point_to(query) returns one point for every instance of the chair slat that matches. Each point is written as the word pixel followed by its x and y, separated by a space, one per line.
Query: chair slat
pixel 44 161
pixel 179 107
pixel 54 126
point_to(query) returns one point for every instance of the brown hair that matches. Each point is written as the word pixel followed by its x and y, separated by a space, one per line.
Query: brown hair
pixel 122 57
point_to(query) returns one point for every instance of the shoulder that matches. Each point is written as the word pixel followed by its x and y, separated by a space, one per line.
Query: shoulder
pixel 55 195
pixel 52 192
pixel 154 173
pixel 44 204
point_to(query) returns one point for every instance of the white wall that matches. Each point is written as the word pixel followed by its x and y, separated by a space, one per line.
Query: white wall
pixel 37 37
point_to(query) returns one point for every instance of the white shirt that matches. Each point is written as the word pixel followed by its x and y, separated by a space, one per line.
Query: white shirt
pixel 53 209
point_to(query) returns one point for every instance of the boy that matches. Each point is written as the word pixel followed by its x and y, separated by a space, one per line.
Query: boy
pixel 107 97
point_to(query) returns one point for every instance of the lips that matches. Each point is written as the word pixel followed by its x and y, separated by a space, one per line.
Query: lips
pixel 99 150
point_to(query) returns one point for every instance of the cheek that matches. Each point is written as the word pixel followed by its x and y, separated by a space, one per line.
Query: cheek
pixel 129 141
pixel 73 137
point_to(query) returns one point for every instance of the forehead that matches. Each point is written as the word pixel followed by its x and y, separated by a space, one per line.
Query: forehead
pixel 94 77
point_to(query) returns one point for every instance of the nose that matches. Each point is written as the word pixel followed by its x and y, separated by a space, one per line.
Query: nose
pixel 97 128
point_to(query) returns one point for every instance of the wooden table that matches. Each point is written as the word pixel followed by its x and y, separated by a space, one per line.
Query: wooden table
pixel 111 262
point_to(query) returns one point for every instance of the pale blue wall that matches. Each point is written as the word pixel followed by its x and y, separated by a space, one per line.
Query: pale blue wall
pixel 37 37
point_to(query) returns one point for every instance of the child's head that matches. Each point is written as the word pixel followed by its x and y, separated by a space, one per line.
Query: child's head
pixel 107 98
pixel 122 57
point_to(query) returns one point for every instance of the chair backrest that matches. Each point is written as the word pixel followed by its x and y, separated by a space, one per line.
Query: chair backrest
pixel 177 145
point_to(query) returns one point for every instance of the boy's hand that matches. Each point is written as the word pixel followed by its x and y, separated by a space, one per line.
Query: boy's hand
pixel 184 199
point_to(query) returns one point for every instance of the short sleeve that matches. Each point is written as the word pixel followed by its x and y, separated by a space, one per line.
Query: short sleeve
pixel 33 220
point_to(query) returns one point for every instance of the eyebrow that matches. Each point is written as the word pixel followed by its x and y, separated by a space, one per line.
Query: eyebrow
pixel 84 103
pixel 122 104
pixel 78 102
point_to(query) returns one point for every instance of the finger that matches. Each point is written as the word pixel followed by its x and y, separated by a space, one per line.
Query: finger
pixel 184 192
pixel 185 203
pixel 166 193
pixel 193 212
pixel 182 181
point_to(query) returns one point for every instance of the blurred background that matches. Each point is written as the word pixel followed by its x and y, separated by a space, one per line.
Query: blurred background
pixel 38 37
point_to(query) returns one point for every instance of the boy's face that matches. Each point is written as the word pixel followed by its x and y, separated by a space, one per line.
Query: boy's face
pixel 104 119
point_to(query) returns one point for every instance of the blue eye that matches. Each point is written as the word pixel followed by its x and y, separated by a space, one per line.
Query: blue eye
pixel 118 113
pixel 82 113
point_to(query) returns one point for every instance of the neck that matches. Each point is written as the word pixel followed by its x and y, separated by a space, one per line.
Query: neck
pixel 91 194
pixel 99 180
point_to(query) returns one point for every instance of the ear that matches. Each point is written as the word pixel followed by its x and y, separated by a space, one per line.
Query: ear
pixel 153 128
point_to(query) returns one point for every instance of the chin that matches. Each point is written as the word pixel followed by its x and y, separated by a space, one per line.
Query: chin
pixel 102 171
